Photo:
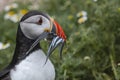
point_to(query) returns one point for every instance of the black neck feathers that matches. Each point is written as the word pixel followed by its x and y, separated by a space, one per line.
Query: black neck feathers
pixel 23 44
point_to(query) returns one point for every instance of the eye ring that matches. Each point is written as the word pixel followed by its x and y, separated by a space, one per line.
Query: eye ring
pixel 40 21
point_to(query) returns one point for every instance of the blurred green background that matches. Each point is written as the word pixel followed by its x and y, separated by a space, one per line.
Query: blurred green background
pixel 92 27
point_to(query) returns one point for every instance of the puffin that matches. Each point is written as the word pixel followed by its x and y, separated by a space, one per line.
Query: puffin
pixel 29 61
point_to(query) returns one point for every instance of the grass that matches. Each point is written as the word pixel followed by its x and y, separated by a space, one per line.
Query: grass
pixel 93 47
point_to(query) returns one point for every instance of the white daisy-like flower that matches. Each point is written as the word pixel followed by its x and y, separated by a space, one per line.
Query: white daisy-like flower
pixel 9 7
pixel 81 13
pixel 4 46
pixel 14 5
pixel 95 0
pixel 118 64
pixel 23 12
pixel 82 19
pixel 7 16
pixel 87 58
pixel 14 18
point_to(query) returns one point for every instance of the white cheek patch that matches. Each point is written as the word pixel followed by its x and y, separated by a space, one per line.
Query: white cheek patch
pixel 32 30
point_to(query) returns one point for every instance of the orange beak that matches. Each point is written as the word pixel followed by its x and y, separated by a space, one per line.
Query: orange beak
pixel 59 30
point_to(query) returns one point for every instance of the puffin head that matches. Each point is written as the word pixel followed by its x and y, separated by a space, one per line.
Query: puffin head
pixel 37 26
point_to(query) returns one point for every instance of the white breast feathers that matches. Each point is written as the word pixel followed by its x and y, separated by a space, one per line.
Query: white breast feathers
pixel 33 68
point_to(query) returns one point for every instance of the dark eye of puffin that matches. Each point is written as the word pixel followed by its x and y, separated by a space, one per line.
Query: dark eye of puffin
pixel 40 21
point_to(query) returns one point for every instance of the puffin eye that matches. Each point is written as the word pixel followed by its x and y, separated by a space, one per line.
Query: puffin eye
pixel 40 21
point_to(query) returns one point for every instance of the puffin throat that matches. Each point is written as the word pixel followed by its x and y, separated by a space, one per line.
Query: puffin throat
pixel 23 44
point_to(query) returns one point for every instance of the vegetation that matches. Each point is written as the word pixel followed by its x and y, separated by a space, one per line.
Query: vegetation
pixel 93 43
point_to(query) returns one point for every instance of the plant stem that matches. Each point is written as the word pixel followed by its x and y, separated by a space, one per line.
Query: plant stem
pixel 112 63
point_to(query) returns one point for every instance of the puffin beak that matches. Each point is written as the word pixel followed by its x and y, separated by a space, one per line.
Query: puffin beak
pixel 58 39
